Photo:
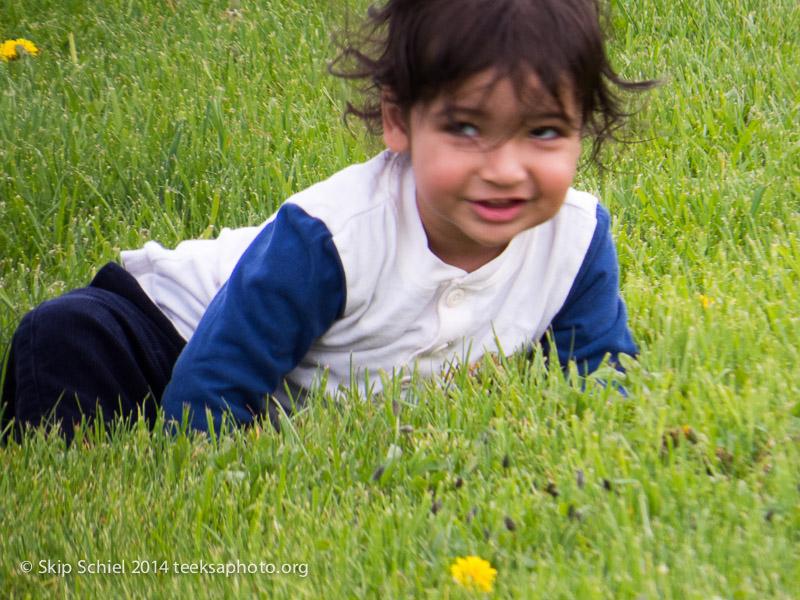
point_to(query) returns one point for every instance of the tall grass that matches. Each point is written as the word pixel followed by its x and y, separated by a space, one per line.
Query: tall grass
pixel 174 119
pixel 168 119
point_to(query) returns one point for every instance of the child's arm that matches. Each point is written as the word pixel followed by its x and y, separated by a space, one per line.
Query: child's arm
pixel 183 280
pixel 593 320
pixel 286 291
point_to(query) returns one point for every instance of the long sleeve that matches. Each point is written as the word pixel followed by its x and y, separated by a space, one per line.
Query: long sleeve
pixel 286 291
pixel 593 320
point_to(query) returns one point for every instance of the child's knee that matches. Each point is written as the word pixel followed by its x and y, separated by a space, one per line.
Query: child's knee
pixel 67 358
pixel 73 320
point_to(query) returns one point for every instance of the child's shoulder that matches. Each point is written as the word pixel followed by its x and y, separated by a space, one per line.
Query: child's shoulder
pixel 580 204
pixel 581 208
pixel 354 192
pixel 579 216
pixel 582 222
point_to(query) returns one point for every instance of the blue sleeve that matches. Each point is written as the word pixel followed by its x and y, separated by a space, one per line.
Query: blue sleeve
pixel 593 321
pixel 286 290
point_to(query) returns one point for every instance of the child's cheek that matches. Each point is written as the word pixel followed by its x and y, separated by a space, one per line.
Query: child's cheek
pixel 557 172
pixel 444 178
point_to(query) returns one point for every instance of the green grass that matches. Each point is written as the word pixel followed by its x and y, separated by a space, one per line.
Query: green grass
pixel 172 120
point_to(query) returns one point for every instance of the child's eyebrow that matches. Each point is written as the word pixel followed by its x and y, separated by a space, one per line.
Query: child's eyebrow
pixel 554 114
pixel 452 110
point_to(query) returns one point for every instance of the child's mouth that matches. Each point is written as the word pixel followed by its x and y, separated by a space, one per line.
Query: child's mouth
pixel 500 210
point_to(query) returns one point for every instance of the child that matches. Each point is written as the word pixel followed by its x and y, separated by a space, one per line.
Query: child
pixel 463 234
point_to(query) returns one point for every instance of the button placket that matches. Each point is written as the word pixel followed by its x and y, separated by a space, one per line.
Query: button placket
pixel 455 297
pixel 454 319
pixel 441 348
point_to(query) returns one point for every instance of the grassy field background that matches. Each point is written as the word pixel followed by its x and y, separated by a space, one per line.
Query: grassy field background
pixel 168 119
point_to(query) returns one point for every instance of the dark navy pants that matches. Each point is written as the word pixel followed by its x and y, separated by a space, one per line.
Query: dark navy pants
pixel 105 346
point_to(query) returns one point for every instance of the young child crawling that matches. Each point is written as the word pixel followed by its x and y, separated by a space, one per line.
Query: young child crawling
pixel 464 233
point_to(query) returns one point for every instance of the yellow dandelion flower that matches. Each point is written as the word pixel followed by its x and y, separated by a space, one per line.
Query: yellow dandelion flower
pixel 706 301
pixel 474 572
pixel 7 50
pixel 12 49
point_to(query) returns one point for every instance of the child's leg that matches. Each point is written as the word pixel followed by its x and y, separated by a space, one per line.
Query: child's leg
pixel 106 345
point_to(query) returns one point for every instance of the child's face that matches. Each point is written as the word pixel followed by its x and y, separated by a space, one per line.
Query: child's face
pixel 487 166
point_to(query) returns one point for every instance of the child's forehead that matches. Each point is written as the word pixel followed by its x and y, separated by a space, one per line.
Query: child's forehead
pixel 525 92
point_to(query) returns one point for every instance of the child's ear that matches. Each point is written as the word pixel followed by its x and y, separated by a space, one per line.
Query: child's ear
pixel 395 125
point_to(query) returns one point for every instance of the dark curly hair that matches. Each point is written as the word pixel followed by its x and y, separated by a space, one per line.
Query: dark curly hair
pixel 414 50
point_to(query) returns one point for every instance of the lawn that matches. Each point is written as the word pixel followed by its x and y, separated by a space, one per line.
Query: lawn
pixel 169 119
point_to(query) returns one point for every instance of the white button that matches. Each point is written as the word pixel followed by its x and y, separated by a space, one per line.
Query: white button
pixel 455 297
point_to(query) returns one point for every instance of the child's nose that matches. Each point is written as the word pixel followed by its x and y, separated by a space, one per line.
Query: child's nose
pixel 503 165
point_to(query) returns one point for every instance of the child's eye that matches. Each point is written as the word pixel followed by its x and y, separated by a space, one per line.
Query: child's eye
pixel 545 133
pixel 464 129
